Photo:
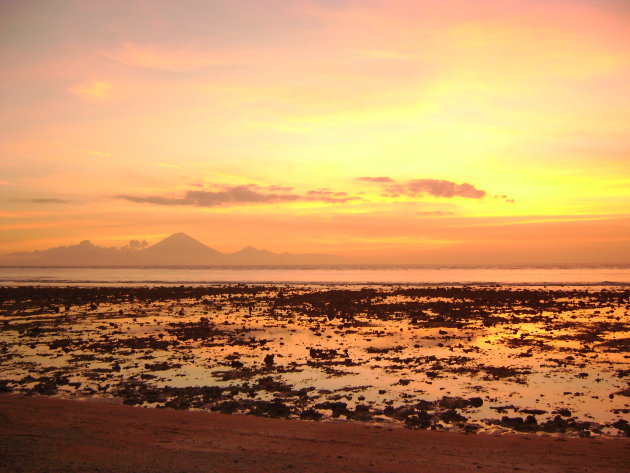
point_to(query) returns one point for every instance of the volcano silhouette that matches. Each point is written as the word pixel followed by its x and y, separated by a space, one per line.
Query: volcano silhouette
pixel 178 249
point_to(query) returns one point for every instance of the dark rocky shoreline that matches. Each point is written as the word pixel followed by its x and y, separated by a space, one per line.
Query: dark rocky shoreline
pixel 140 345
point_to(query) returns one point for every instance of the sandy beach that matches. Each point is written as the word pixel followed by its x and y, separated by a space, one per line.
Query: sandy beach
pixel 42 434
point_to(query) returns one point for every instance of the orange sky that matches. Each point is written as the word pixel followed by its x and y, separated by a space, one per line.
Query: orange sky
pixel 493 131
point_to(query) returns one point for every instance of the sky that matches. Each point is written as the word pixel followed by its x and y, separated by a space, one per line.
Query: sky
pixel 383 131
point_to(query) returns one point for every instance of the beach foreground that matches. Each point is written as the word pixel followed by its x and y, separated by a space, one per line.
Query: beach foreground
pixel 466 359
pixel 42 434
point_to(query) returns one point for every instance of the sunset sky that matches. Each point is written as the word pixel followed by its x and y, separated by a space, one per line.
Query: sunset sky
pixel 413 131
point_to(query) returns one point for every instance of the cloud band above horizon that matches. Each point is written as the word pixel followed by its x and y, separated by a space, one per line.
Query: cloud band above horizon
pixel 252 194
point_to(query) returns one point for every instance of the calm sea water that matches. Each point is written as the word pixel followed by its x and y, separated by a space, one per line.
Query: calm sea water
pixel 139 276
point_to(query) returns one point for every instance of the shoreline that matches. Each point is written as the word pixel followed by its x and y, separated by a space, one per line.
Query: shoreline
pixel 197 284
pixel 322 275
pixel 40 433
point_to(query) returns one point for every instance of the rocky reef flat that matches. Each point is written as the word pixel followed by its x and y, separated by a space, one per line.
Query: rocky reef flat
pixel 486 359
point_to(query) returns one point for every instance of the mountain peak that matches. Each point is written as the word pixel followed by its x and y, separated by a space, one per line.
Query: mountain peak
pixel 179 236
pixel 181 244
pixel 251 251
pixel 176 249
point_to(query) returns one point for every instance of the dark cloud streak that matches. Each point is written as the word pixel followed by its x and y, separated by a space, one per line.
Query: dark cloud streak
pixel 47 201
pixel 433 187
pixel 252 194
pixel 153 200
pixel 375 179
pixel 242 195
pixel 441 188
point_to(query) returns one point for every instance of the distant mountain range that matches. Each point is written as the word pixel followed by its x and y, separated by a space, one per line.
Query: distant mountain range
pixel 177 249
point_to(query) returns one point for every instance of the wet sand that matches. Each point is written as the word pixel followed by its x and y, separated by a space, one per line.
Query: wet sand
pixel 42 434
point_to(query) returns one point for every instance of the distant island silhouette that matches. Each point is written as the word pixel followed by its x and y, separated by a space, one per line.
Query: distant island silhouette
pixel 178 249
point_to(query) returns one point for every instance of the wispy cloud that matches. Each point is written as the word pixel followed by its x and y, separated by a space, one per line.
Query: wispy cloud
pixel 100 154
pixel 47 201
pixel 226 195
pixel 432 187
pixel 243 195
pixel 440 188
pixel 172 57
pixel 96 91
pixel 434 213
pixel 375 179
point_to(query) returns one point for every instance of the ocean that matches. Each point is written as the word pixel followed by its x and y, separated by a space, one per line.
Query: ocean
pixel 324 275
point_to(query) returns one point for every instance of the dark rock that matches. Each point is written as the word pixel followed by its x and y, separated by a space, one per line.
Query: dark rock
pixel 178 403
pixel 450 416
pixel 518 424
pixel 421 420
pixel 63 343
pixel 337 408
pixel 448 402
pixel 622 425
pixel 4 386
pixel 269 359
pixel 275 408
pixel 471 428
pixel 475 402
pixel 555 425
pixel 531 420
pixel 227 407
pixel 361 413
pixel 310 414
pixel 161 366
